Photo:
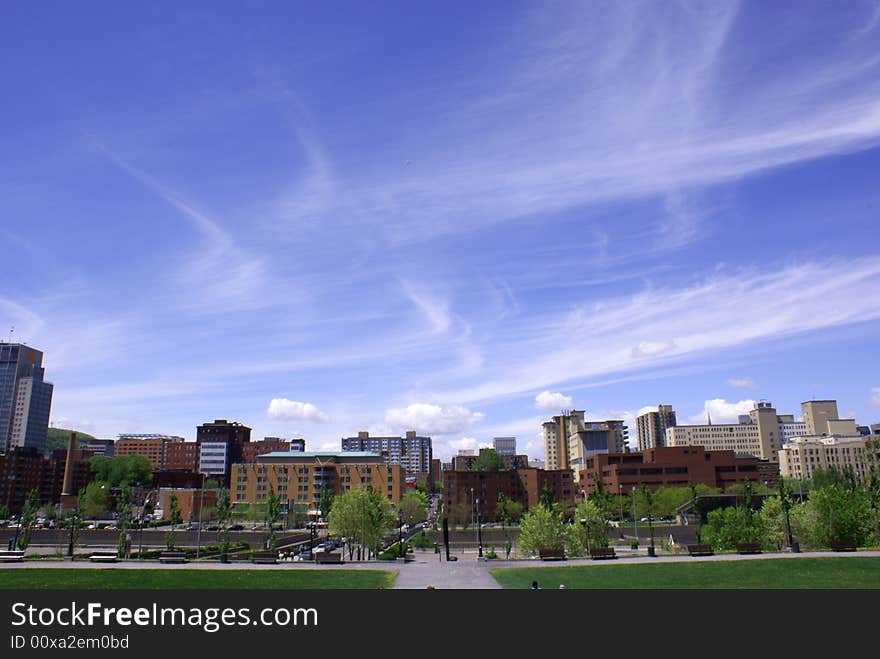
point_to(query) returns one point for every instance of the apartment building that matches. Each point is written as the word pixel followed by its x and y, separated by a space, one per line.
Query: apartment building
pixel 801 457
pixel 467 462
pixel 462 489
pixel 651 427
pixel 300 477
pixel 412 452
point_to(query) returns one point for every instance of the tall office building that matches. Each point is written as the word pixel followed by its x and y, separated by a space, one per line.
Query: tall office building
pixel 759 433
pixel 504 445
pixel 221 444
pixel 412 452
pixel 25 398
pixel 821 418
pixel 569 439
pixel 651 427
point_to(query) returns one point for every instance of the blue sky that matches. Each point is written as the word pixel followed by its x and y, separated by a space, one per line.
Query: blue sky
pixel 425 216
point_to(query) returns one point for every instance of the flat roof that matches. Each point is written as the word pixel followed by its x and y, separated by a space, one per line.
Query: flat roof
pixel 320 454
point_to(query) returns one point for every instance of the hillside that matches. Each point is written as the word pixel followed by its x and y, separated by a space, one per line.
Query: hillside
pixel 57 438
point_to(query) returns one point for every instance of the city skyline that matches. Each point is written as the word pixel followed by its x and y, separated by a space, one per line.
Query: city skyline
pixel 453 220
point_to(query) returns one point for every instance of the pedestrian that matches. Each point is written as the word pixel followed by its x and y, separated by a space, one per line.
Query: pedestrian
pixel 535 586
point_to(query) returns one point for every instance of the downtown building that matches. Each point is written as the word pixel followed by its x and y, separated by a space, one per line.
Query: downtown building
pixel 300 477
pixel 678 466
pixel 412 452
pixel 651 427
pixel 25 399
pixel 467 494
pixel 569 439
pixel 757 434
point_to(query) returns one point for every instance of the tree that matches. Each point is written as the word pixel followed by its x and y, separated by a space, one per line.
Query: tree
pixel 325 502
pixel 123 521
pixel 4 511
pixel 224 511
pixel 273 514
pixel 591 529
pixel 93 500
pixel 839 514
pixel 488 460
pixel 175 519
pixel 122 470
pixel 413 506
pixel 28 515
pixel 363 516
pixel 548 496
pixel 541 528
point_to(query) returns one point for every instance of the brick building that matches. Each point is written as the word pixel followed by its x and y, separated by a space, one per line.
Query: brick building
pixel 463 488
pixel 673 467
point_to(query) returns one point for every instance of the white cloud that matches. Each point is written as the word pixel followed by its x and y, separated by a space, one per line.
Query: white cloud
pixel 293 410
pixel 652 348
pixel 722 411
pixel 875 396
pixel 432 419
pixel 741 382
pixel 552 400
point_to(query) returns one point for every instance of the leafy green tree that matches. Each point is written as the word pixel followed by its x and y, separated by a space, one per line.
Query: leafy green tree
pixel 123 521
pixel 325 502
pixel 548 496
pixel 541 528
pixel 413 506
pixel 4 511
pixel 591 528
pixel 839 514
pixel 122 470
pixel 175 519
pixel 488 460
pixel 772 525
pixel 224 512
pixel 273 514
pixel 93 499
pixel 363 516
pixel 28 516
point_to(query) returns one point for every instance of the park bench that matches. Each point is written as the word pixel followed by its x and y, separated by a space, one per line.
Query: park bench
pixel 264 557
pixel 700 550
pixel 104 557
pixel 602 553
pixel 552 554
pixel 748 548
pixel 172 557
pixel 328 557
pixel 839 545
pixel 7 556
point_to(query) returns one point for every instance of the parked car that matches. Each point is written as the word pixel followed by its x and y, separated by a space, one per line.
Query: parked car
pixel 236 527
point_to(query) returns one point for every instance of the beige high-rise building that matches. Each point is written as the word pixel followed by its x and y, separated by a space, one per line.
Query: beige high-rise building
pixel 569 439
pixel 816 415
pixel 758 435
pixel 651 427
pixel 803 455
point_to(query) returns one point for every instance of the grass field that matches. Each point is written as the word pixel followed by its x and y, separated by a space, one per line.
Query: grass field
pixel 110 579
pixel 759 574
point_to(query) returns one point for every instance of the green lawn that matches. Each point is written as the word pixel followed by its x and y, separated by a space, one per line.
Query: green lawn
pixel 832 572
pixel 159 579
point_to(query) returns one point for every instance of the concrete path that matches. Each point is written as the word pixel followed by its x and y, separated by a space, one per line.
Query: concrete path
pixel 428 570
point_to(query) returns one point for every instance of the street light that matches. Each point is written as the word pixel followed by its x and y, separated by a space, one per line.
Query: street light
pixel 635 519
pixel 479 531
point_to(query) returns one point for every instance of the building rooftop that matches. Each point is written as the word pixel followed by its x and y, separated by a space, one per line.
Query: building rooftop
pixel 320 454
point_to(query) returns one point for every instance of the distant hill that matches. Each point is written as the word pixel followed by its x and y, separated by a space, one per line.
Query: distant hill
pixel 57 438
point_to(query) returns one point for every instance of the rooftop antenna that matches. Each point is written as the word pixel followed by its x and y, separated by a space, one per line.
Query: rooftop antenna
pixel 709 415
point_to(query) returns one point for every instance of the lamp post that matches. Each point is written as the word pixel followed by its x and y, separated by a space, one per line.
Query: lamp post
pixel 795 547
pixel 399 533
pixel 479 531
pixel 199 531
pixel 635 519
pixel 74 522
